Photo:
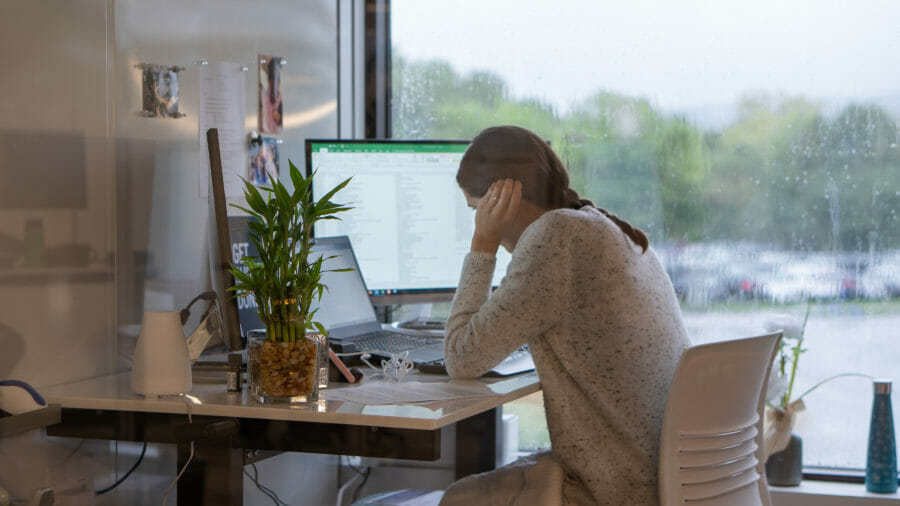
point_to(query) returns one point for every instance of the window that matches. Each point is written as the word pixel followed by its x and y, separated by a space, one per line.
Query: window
pixel 756 143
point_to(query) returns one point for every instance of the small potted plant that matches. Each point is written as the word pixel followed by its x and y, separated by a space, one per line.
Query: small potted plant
pixel 784 465
pixel 285 281
pixel 784 448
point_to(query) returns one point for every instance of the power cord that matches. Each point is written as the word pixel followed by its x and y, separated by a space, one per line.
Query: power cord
pixel 262 488
pixel 365 477
pixel 208 296
pixel 343 489
pixel 126 475
pixel 187 401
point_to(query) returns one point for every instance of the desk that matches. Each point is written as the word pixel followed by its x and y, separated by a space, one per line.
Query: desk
pixel 247 431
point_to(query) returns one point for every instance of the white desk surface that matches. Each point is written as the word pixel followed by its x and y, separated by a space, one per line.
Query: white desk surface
pixel 210 398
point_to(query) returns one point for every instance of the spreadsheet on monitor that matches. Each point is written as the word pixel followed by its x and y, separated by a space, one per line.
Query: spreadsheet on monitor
pixel 410 225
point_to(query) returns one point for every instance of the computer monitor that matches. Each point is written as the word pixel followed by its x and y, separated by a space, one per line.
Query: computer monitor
pixel 410 225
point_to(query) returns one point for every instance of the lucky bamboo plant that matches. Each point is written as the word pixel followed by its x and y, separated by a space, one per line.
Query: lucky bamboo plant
pixel 283 279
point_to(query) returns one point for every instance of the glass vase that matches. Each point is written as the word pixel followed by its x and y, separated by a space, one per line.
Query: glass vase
pixel 289 372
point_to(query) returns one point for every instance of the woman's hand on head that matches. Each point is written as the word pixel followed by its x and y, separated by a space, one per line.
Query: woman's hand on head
pixel 496 211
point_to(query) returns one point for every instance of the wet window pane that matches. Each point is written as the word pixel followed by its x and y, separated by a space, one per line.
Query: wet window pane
pixel 756 143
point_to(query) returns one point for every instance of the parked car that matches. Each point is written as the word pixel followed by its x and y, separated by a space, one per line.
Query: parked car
pixel 704 273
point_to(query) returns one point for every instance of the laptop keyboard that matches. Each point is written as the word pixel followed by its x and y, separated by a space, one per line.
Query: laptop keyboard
pixel 394 342
pixel 428 352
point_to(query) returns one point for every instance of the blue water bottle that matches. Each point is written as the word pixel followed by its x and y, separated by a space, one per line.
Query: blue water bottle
pixel 881 461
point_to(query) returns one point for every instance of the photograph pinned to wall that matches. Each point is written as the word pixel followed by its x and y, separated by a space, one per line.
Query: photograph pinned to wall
pixel 159 91
pixel 270 106
pixel 263 159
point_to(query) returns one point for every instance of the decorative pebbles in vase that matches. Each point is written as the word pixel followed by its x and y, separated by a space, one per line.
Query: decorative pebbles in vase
pixel 287 371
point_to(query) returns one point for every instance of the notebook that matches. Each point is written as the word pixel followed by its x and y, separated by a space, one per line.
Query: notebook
pixel 346 312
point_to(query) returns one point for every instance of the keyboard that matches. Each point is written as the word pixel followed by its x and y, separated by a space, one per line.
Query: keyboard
pixel 393 342
pixel 384 343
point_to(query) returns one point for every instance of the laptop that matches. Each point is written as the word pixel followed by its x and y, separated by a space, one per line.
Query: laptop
pixel 344 309
pixel 347 314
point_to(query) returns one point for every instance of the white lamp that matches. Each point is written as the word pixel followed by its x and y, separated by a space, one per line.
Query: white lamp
pixel 161 364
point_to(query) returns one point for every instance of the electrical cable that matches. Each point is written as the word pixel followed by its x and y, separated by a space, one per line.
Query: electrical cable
pixel 124 476
pixel 186 312
pixel 262 488
pixel 354 468
pixel 190 457
pixel 359 487
pixel 343 488
pixel 255 481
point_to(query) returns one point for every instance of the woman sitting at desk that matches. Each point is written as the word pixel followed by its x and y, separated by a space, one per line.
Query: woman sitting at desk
pixel 591 300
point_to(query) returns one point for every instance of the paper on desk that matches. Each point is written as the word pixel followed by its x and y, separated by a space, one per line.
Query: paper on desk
pixel 377 391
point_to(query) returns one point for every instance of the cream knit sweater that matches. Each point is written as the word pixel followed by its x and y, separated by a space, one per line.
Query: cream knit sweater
pixel 605 330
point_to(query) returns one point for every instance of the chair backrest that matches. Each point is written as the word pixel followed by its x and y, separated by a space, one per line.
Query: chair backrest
pixel 711 446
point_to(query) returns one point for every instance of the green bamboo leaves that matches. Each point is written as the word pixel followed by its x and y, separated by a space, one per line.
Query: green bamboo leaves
pixel 283 278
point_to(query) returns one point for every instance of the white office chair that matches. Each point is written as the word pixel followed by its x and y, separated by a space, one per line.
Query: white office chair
pixel 711 449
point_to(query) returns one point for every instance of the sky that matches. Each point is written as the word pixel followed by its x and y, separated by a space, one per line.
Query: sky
pixel 686 55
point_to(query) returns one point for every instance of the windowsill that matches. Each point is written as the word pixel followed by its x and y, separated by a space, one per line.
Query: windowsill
pixel 825 493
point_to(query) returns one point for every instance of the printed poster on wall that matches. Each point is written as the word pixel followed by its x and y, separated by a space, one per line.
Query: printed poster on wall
pixel 221 106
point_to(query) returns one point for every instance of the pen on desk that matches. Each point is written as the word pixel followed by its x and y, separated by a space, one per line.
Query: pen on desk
pixel 340 365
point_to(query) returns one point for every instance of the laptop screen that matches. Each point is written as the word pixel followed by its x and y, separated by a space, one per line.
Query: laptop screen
pixel 345 309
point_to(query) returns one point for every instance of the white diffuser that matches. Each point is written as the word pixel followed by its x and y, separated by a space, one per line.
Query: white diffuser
pixel 161 364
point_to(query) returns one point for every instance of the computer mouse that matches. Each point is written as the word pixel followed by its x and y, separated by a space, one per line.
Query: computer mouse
pixel 17 397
